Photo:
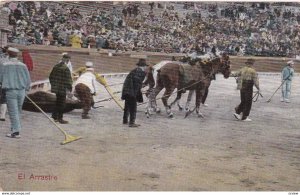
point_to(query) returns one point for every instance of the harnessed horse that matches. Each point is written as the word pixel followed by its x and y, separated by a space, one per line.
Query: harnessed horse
pixel 197 77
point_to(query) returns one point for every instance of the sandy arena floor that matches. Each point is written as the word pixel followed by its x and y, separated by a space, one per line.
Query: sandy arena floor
pixel 216 153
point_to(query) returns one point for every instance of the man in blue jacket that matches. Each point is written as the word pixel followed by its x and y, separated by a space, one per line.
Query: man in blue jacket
pixel 287 77
pixel 15 80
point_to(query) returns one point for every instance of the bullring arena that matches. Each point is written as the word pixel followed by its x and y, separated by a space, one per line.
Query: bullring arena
pixel 214 153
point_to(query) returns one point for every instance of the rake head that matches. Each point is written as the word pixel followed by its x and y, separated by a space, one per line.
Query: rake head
pixel 70 138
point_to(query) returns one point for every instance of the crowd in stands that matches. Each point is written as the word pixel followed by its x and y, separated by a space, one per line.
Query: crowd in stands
pixel 263 29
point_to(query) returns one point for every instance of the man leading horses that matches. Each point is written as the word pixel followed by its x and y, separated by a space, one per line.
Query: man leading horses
pixel 249 78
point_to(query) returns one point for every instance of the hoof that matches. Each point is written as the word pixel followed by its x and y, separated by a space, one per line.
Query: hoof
pixel 187 113
pixel 200 115
pixel 157 110
pixel 171 115
pixel 180 108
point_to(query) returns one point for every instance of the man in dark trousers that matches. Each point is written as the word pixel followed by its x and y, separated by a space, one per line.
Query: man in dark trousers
pixel 249 78
pixel 131 92
pixel 61 82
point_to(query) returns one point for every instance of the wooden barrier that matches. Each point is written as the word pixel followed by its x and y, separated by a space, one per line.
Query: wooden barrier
pixel 45 57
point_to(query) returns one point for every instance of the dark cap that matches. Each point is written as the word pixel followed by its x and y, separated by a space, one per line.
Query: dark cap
pixel 250 61
pixel 142 62
pixel 66 55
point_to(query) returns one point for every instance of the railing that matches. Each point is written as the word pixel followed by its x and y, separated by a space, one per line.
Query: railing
pixel 44 85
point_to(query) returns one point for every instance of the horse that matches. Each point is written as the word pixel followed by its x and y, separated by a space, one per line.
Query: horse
pixel 151 81
pixel 186 77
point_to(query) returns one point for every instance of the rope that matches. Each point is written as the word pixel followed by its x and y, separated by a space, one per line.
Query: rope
pixel 256 95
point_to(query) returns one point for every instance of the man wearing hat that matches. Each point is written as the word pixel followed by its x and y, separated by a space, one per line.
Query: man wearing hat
pixel 69 64
pixel 248 78
pixel 61 82
pixel 131 92
pixel 15 80
pixel 286 79
pixel 85 89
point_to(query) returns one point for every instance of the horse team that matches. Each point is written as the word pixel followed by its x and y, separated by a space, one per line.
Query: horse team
pixel 189 74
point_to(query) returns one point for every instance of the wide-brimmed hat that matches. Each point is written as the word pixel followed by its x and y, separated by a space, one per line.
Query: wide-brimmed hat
pixel 250 61
pixel 290 62
pixel 142 62
pixel 89 64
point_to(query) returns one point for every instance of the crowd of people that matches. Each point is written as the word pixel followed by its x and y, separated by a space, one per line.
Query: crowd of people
pixel 238 28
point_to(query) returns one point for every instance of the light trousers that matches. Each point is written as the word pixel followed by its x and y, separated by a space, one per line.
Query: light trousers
pixel 286 89
pixel 15 99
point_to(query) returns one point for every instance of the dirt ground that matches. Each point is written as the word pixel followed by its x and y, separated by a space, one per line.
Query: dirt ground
pixel 215 153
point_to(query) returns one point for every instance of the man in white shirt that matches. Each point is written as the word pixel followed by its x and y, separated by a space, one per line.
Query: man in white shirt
pixel 85 89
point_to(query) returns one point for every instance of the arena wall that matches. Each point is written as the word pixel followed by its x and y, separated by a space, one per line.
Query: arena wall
pixel 106 61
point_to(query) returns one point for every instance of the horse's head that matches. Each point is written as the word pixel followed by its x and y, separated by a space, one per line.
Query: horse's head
pixel 185 59
pixel 149 79
pixel 225 68
pixel 221 64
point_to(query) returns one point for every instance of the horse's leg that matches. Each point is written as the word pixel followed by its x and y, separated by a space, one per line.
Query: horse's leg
pixel 189 99
pixel 177 100
pixel 149 104
pixel 153 95
pixel 199 95
pixel 179 105
pixel 165 98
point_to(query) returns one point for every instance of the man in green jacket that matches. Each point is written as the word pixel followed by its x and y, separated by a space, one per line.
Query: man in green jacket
pixel 61 82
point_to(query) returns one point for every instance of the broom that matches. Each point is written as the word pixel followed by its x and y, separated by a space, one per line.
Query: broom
pixel 68 138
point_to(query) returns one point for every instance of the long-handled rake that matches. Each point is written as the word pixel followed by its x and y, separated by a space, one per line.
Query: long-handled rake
pixel 68 138
pixel 269 100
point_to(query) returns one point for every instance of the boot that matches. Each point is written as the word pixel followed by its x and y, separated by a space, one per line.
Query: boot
pixel 85 116
pixel 62 121
pixel 3 108
pixel 134 125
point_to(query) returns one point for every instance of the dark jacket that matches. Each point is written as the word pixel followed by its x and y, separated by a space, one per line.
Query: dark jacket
pixel 60 78
pixel 133 84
